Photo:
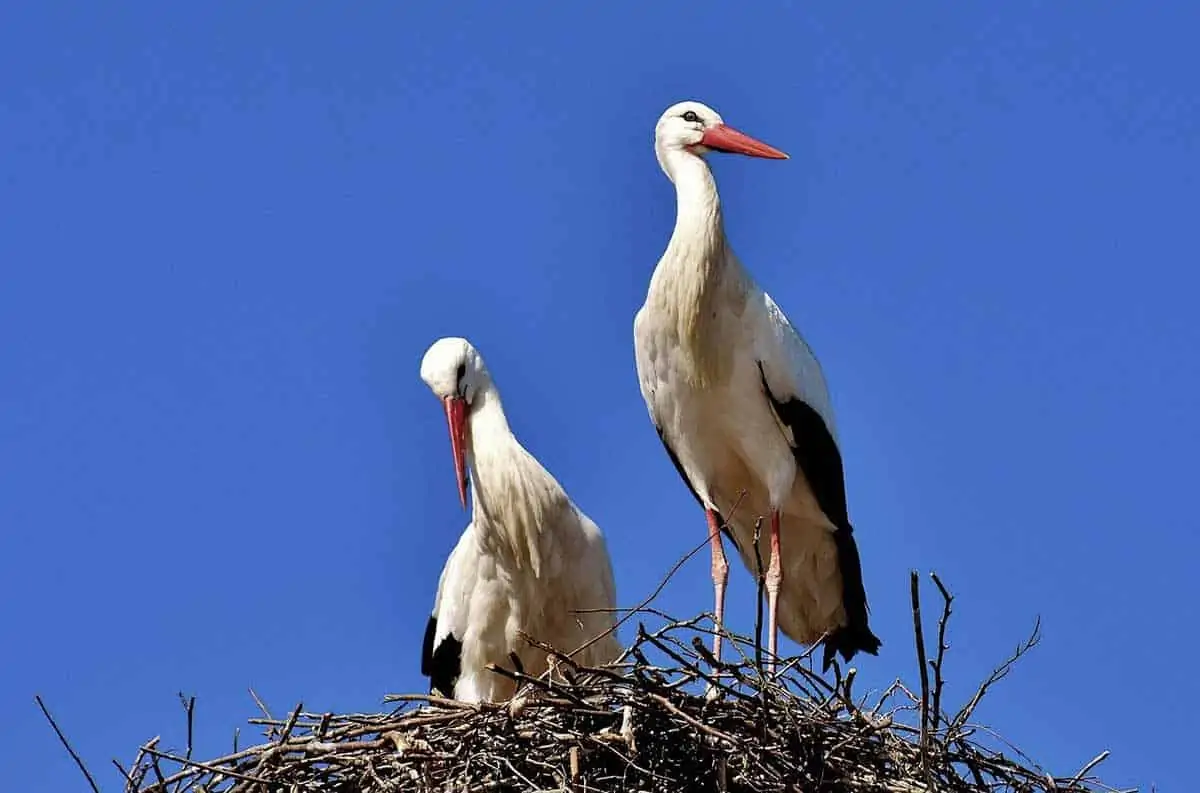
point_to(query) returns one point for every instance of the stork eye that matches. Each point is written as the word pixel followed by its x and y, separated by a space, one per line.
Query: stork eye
pixel 458 376
pixel 692 117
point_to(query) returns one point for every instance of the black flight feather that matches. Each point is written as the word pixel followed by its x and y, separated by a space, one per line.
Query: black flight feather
pixel 441 664
pixel 818 457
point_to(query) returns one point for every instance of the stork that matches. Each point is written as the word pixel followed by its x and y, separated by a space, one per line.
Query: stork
pixel 741 405
pixel 529 561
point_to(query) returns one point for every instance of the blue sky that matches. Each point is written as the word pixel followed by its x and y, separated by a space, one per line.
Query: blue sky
pixel 229 231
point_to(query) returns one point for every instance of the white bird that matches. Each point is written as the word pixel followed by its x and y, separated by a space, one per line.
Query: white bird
pixel 527 561
pixel 741 405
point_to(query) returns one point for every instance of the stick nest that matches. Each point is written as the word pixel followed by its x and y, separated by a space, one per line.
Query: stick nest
pixel 642 724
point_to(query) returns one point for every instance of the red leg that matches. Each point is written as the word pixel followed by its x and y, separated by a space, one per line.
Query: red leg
pixel 720 576
pixel 774 576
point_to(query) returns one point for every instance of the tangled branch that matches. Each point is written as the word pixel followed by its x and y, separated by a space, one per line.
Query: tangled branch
pixel 639 724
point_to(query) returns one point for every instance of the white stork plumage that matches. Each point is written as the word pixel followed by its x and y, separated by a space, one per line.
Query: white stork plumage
pixel 741 405
pixel 528 559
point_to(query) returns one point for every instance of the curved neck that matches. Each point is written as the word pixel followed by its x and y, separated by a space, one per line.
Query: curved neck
pixel 692 276
pixel 488 424
pixel 511 494
pixel 699 234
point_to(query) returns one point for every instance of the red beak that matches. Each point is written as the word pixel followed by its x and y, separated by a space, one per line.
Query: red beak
pixel 728 139
pixel 456 417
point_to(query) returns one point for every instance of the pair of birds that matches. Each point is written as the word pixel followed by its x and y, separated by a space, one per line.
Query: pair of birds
pixel 741 406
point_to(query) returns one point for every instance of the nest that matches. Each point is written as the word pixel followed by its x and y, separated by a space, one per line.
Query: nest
pixel 642 724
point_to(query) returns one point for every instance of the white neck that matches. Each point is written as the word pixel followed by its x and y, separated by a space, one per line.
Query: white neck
pixel 511 494
pixel 699 235
pixel 488 433
pixel 487 418
pixel 697 268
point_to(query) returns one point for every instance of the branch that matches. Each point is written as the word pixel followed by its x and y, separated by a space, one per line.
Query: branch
pixel 66 744
pixel 998 674
pixel 918 632
pixel 938 680
pixel 658 589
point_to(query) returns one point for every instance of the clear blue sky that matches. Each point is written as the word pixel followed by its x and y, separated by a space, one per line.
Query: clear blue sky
pixel 228 232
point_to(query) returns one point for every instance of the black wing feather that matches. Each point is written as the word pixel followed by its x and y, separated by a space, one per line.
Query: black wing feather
pixel 819 459
pixel 441 664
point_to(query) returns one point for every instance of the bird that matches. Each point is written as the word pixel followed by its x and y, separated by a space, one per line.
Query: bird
pixel 740 402
pixel 529 561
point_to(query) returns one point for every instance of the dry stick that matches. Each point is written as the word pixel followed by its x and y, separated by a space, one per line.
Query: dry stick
pixel 1095 761
pixel 189 707
pixel 760 578
pixel 998 674
pixel 137 768
pixel 66 744
pixel 537 682
pixel 661 585
pixel 683 664
pixel 439 701
pixel 915 593
pixel 212 769
pixel 291 723
pixel 158 772
pixel 699 725
pixel 129 783
pixel 260 704
pixel 938 680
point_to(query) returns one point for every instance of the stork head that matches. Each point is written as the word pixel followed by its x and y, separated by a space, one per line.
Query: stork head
pixel 697 128
pixel 454 372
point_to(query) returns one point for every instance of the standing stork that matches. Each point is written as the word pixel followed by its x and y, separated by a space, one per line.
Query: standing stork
pixel 528 560
pixel 741 405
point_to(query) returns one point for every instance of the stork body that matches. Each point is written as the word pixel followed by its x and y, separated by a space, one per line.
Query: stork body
pixel 741 405
pixel 528 560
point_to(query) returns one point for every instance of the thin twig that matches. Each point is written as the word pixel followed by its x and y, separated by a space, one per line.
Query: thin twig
pixel 998 674
pixel 919 634
pixel 1083 772
pixel 189 707
pixel 206 767
pixel 66 744
pixel 760 579
pixel 658 589
pixel 938 679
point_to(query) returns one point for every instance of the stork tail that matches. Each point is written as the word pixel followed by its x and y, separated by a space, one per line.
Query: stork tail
pixel 855 636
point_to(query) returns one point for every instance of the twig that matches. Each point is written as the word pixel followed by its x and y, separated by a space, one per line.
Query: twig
pixel 129 783
pixel 66 744
pixel 692 720
pixel 998 674
pixel 206 767
pixel 261 706
pixel 189 707
pixel 291 723
pixel 658 589
pixel 760 579
pixel 919 633
pixel 938 680
pixel 1083 772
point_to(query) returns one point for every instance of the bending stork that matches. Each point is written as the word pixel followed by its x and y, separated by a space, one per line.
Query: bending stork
pixel 528 559
pixel 741 405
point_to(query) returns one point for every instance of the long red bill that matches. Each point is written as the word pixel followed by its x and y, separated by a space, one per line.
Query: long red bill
pixel 727 139
pixel 456 417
